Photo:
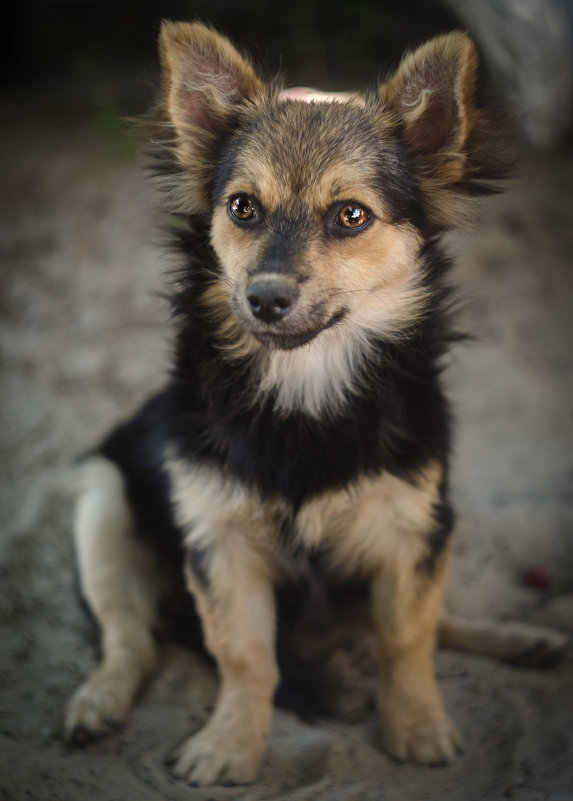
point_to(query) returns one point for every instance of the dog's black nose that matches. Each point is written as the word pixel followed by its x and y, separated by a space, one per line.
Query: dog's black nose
pixel 270 299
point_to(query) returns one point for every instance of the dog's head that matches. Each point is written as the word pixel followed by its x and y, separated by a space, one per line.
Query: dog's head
pixel 318 211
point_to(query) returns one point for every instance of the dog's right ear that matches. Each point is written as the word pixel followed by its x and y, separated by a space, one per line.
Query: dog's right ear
pixel 205 81
pixel 204 78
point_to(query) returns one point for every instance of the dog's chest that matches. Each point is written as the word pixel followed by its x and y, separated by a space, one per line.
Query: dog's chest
pixel 354 529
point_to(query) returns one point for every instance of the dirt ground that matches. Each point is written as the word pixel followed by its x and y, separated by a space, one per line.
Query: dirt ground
pixel 83 339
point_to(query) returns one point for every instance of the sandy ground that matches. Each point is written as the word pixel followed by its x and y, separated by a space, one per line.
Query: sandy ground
pixel 83 339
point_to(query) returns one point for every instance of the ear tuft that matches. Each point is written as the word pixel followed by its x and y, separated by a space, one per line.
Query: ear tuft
pixel 433 92
pixel 205 83
pixel 457 145
pixel 204 76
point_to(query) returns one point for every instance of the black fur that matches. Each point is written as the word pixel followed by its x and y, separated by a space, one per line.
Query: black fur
pixel 398 423
pixel 137 446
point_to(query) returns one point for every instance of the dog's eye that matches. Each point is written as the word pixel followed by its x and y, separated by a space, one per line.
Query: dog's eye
pixel 352 216
pixel 242 208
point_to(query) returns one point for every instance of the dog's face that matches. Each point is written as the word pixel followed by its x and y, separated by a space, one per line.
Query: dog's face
pixel 305 235
pixel 317 209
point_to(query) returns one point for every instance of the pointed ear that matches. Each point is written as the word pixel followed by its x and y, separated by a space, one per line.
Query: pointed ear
pixel 205 81
pixel 458 145
pixel 433 94
pixel 204 77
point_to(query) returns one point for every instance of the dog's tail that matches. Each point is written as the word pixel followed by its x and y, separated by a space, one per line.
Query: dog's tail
pixel 518 643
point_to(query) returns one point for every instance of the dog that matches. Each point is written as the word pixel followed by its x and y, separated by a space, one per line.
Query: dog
pixel 303 427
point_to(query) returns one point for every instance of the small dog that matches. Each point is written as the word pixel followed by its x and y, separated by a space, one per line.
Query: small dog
pixel 303 423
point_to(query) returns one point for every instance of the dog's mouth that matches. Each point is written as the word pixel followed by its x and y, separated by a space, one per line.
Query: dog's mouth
pixel 279 340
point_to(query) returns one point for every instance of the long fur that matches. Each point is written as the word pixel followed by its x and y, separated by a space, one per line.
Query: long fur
pixel 307 439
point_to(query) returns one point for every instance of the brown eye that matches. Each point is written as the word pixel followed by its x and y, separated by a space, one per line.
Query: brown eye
pixel 242 208
pixel 352 216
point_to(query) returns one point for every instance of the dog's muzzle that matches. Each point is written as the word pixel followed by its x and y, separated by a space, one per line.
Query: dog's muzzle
pixel 270 309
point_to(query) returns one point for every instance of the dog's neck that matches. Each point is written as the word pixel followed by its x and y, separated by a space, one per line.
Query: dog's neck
pixel 349 361
pixel 319 378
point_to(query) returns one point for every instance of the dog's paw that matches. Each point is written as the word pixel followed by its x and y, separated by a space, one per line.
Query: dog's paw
pixel 533 646
pixel 212 758
pixel 98 708
pixel 429 742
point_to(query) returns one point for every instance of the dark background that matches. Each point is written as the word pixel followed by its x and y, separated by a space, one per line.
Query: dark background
pixel 97 59
pixel 66 45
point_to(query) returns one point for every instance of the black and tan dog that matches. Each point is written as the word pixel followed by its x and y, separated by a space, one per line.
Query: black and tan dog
pixel 303 422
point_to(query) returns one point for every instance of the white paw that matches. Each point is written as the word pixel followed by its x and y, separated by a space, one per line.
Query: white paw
pixel 98 708
pixel 213 758
pixel 430 742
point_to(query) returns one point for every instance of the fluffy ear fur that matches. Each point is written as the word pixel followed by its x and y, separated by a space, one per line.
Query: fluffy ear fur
pixel 433 92
pixel 205 77
pixel 456 144
pixel 205 81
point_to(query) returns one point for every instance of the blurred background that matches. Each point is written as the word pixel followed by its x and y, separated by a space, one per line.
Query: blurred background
pixel 100 55
pixel 84 339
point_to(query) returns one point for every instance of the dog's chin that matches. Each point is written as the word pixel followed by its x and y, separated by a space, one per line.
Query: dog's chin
pixel 279 340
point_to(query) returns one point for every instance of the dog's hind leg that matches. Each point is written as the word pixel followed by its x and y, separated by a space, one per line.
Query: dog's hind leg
pixel 119 583
pixel 519 643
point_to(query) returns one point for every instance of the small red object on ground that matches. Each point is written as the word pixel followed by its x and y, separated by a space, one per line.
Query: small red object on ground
pixel 537 578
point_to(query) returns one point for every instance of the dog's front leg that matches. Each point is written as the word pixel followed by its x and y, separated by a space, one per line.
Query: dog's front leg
pixel 406 608
pixel 234 597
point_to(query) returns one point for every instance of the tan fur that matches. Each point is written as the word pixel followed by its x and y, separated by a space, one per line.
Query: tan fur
pixel 406 608
pixel 379 529
pixel 376 528
pixel 190 87
pixel 374 277
pixel 237 614
pixel 188 53
pixel 375 274
pixel 378 521
pixel 444 69
pixel 230 337
pixel 206 504
pixel 521 643
pixel 120 583
pixel 433 93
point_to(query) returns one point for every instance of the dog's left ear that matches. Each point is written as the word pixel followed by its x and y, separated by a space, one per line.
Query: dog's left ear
pixel 456 145
pixel 433 94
